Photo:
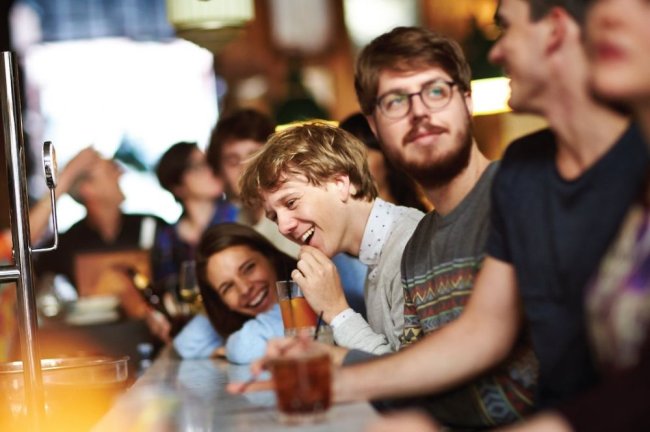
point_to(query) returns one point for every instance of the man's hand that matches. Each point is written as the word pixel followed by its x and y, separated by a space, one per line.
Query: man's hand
pixel 278 348
pixel 319 280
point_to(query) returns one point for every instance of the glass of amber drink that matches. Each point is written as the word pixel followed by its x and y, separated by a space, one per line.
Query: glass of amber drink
pixel 302 379
pixel 296 312
pixel 297 316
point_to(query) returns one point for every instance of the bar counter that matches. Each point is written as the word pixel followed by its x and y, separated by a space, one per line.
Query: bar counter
pixel 190 395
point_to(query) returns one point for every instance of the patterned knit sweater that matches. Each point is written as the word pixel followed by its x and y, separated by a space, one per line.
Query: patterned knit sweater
pixel 438 269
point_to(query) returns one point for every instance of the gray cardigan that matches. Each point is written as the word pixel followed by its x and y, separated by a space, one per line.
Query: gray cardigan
pixel 384 294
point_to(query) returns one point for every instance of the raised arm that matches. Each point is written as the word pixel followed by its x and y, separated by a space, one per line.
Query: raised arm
pixel 39 214
pixel 479 339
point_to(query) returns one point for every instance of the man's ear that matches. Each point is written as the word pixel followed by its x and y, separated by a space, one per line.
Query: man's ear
pixel 469 102
pixel 373 126
pixel 560 25
pixel 343 186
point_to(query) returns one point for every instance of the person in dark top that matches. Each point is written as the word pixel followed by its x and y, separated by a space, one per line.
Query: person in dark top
pixel 184 172
pixel 105 228
pixel 569 224
pixel 558 199
pixel 617 299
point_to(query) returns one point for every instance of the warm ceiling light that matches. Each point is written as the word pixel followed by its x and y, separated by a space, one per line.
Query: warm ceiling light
pixel 303 27
pixel 386 14
pixel 490 96
pixel 209 14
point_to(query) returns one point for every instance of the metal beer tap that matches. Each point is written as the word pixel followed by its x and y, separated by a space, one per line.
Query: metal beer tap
pixel 21 271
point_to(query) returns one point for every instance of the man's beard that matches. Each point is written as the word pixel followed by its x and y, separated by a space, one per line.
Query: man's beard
pixel 433 174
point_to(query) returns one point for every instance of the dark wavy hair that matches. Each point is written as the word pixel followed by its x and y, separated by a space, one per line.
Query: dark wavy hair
pixel 576 8
pixel 240 125
pixel 221 237
pixel 173 164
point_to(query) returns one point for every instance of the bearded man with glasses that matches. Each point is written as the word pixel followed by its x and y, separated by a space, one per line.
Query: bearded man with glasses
pixel 414 88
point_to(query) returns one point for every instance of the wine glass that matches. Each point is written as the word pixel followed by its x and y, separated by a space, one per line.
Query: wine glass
pixel 188 286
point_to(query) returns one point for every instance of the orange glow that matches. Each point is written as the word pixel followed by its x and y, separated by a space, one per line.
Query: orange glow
pixel 77 392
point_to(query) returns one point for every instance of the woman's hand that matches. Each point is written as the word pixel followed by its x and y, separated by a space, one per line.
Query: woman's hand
pixel 219 352
pixel 158 325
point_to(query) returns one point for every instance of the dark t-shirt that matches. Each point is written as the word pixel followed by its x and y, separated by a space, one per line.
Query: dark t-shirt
pixel 554 232
pixel 620 403
pixel 81 238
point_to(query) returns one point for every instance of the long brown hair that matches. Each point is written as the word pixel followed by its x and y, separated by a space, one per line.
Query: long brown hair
pixel 221 237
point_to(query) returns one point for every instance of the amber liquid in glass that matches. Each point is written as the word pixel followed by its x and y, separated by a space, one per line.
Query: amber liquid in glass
pixel 296 313
pixel 302 385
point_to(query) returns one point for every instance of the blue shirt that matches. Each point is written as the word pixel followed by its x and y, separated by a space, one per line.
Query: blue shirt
pixel 199 339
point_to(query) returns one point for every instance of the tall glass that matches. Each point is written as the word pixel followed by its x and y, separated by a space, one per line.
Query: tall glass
pixel 297 316
pixel 296 312
pixel 188 285
pixel 187 301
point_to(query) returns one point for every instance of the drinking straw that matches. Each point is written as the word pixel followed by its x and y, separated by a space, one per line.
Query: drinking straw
pixel 291 311
pixel 318 325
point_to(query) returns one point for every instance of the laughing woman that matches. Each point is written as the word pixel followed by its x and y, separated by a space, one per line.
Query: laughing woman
pixel 237 269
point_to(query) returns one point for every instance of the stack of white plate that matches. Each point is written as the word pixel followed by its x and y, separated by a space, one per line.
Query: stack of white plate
pixel 96 309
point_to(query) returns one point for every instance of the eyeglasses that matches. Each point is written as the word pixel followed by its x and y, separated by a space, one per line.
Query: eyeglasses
pixel 435 95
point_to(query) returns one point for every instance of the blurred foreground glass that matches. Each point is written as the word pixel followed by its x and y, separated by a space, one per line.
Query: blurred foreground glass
pixel 78 392
pixel 303 385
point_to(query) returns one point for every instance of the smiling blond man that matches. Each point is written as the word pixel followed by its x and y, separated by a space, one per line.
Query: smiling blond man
pixel 313 181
